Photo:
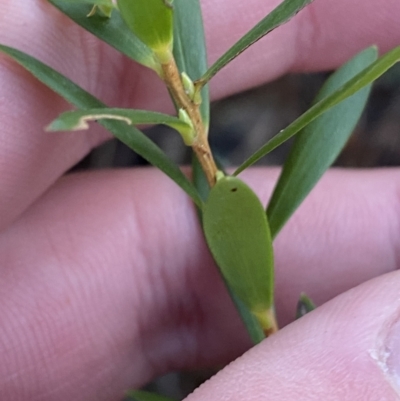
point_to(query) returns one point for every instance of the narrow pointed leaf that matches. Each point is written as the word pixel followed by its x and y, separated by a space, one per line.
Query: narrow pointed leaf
pixel 199 178
pixel 304 306
pixel 189 46
pixel 111 30
pixel 317 146
pixel 364 78
pixel 137 395
pixel 237 233
pixel 78 119
pixel 281 14
pixel 134 138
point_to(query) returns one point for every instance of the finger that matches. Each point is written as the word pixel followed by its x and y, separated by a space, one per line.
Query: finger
pixel 322 36
pixel 347 350
pixel 32 160
pixel 109 272
pixel 84 298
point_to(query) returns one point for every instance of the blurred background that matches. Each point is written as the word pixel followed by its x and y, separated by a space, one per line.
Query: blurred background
pixel 242 123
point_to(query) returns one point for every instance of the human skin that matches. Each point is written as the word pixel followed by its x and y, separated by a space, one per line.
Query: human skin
pixel 105 280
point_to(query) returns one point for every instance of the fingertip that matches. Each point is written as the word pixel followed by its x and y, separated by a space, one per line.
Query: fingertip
pixel 330 32
pixel 344 350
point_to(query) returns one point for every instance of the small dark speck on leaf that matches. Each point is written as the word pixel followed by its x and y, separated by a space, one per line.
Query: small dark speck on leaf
pixel 233 189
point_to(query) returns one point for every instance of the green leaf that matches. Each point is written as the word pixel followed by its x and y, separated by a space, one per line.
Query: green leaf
pixel 137 395
pixel 189 46
pixel 317 146
pixel 106 6
pixel 304 306
pixel 249 320
pixel 199 178
pixel 110 30
pixel 281 14
pixel 78 119
pixel 237 233
pixel 364 78
pixel 131 136
pixel 91 2
pixel 152 22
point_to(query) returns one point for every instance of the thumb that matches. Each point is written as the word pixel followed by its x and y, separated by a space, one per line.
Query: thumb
pixel 348 349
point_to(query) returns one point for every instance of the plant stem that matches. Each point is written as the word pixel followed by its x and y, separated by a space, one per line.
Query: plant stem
pixel 200 145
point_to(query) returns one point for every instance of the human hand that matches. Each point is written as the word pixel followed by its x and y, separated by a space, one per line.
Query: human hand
pixel 105 283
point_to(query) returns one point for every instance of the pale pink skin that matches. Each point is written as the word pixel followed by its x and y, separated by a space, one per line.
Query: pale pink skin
pixel 105 278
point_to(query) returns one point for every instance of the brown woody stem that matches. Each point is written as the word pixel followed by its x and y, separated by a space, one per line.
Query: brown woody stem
pixel 200 145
